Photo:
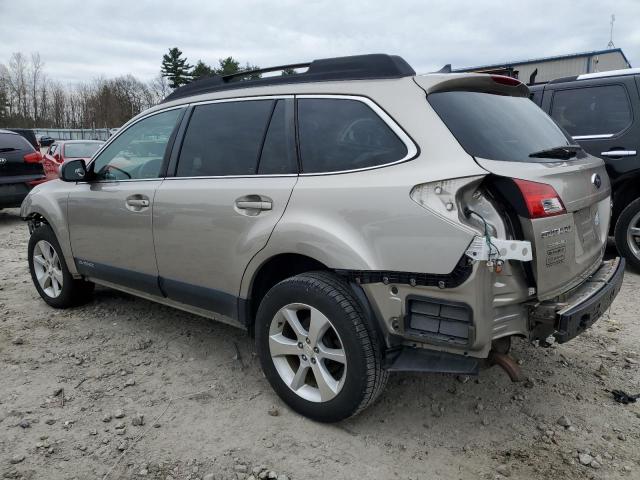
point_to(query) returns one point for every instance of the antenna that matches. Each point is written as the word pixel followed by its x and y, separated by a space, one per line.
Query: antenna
pixel 610 44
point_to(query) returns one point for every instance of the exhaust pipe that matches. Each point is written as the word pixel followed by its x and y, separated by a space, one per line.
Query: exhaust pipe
pixel 507 363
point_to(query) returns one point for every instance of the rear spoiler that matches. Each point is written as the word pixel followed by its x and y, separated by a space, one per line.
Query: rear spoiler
pixel 473 82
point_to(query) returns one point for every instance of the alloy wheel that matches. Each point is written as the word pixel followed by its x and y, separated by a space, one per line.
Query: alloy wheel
pixel 48 269
pixel 307 352
pixel 633 235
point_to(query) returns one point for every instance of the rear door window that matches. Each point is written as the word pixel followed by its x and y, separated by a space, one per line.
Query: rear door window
pixel 602 110
pixel 498 127
pixel 10 142
pixel 343 134
pixel 224 139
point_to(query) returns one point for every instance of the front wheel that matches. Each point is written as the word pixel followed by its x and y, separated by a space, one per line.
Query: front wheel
pixel 627 234
pixel 317 349
pixel 50 274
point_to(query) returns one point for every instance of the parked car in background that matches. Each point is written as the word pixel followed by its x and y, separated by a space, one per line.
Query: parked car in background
pixel 29 135
pixel 20 168
pixel 601 111
pixel 64 150
pixel 46 141
pixel 357 218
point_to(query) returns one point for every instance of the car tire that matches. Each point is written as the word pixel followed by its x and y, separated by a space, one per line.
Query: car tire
pixel 50 274
pixel 327 314
pixel 629 218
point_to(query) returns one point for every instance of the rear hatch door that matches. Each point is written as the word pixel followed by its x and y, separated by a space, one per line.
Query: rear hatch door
pixel 567 189
pixel 13 149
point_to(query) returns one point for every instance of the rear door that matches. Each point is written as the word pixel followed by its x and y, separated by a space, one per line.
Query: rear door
pixel 599 114
pixel 13 166
pixel 233 178
pixel 563 205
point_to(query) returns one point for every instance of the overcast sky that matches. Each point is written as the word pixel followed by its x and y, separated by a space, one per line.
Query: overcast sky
pixel 83 39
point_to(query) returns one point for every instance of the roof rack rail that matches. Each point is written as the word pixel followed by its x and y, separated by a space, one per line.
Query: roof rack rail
pixel 357 67
pixel 244 73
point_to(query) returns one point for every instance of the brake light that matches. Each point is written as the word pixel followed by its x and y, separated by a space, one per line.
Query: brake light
pixel 541 199
pixel 504 80
pixel 33 157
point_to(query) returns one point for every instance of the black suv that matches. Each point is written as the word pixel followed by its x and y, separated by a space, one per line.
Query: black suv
pixel 602 113
pixel 20 168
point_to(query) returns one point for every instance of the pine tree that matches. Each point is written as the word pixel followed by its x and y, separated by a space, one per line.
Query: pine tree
pixel 201 70
pixel 175 68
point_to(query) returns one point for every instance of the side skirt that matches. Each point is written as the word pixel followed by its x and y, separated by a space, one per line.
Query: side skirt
pixel 170 303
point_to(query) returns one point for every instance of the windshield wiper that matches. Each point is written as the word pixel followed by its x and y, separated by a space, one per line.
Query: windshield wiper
pixel 563 152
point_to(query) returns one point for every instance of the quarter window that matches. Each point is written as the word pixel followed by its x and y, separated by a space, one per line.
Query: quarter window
pixel 343 134
pixel 138 152
pixel 224 138
pixel 592 110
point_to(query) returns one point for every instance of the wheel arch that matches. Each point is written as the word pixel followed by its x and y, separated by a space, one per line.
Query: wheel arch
pixel 40 209
pixel 625 192
pixel 280 266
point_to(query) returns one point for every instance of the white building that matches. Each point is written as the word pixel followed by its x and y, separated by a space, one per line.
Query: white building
pixel 542 70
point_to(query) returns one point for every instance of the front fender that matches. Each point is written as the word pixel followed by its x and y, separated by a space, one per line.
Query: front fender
pixel 49 202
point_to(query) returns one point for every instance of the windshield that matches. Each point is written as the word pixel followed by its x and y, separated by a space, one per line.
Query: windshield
pixel 81 150
pixel 498 127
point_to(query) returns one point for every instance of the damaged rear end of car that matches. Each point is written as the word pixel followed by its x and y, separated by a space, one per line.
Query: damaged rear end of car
pixel 542 212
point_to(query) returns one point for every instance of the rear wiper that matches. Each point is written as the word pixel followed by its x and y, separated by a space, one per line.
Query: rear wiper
pixel 563 152
pixel 7 149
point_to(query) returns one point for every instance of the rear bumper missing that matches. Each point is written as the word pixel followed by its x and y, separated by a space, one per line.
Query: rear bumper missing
pixel 582 307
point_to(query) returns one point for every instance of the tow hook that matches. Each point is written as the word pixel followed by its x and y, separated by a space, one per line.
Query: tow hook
pixel 507 363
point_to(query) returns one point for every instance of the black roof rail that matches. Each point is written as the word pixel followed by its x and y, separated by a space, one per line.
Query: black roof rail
pixel 357 67
pixel 564 79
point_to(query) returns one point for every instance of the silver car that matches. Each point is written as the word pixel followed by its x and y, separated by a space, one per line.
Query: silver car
pixel 356 219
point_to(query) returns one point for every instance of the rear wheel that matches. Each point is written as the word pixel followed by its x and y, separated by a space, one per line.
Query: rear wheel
pixel 627 234
pixel 50 274
pixel 316 348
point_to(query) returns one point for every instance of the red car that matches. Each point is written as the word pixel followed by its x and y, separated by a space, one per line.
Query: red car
pixel 63 150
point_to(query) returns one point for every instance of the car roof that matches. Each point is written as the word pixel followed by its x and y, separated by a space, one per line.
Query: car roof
pixel 8 131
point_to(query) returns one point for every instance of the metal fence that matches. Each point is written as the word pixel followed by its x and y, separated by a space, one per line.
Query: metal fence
pixel 73 133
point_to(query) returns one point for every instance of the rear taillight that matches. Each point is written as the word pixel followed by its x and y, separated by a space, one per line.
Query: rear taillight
pixel 33 157
pixel 541 199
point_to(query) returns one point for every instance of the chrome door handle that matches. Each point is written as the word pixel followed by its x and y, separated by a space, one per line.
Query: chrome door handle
pixel 619 153
pixel 137 202
pixel 249 205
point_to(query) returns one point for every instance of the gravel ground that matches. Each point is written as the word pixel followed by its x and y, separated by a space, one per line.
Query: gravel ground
pixel 124 388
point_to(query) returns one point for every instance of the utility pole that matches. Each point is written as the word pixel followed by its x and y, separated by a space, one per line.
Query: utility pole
pixel 610 44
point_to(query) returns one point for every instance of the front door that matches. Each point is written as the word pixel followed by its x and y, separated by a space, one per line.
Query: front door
pixel 110 217
pixel 233 179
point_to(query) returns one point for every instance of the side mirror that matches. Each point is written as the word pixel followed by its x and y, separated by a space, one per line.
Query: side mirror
pixel 73 171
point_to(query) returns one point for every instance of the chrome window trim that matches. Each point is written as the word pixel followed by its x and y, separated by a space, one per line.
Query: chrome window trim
pixel 412 149
pixel 592 137
pixel 213 177
pixel 242 99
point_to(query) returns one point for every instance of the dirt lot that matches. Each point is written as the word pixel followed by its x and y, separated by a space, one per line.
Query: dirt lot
pixel 209 413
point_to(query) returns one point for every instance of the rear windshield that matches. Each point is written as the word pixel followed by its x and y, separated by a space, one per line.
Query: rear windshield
pixel 85 150
pixel 13 141
pixel 498 127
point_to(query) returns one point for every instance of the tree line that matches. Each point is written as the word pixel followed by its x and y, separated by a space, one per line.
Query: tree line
pixel 30 98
